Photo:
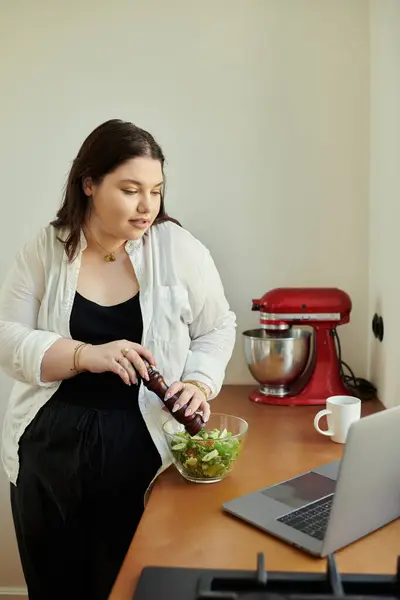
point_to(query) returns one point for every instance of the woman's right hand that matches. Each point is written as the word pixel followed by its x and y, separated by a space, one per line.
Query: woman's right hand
pixel 121 357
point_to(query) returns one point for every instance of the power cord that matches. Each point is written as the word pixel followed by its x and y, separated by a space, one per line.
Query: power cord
pixel 362 388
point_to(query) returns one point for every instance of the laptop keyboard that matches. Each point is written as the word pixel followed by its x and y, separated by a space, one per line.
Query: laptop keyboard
pixel 311 519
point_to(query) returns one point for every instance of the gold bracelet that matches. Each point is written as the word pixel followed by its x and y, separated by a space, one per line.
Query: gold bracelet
pixel 77 357
pixel 78 348
pixel 200 386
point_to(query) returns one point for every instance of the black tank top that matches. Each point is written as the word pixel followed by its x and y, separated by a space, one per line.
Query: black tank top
pixel 95 324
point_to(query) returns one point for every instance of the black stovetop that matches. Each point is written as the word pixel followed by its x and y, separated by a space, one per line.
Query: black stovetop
pixel 174 583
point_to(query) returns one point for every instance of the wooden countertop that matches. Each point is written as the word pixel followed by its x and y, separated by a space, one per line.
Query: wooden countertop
pixel 183 524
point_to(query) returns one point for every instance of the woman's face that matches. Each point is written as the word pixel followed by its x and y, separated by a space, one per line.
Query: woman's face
pixel 126 202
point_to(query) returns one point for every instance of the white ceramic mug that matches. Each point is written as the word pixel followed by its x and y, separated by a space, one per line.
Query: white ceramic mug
pixel 341 412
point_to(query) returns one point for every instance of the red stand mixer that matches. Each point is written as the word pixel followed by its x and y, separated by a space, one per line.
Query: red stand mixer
pixel 293 353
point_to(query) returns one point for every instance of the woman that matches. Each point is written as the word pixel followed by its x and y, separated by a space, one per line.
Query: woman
pixel 111 281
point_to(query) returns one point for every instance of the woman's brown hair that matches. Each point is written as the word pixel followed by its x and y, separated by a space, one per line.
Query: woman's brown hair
pixel 106 148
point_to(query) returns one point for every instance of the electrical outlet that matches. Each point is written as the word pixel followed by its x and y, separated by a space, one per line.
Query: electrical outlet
pixel 377 327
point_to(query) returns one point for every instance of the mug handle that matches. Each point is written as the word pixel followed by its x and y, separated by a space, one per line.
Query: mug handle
pixel 316 421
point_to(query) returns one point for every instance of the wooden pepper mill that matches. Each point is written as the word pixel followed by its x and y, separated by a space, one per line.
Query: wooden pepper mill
pixel 193 423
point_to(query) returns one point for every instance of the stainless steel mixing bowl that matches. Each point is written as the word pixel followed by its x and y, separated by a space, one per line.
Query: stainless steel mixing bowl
pixel 275 360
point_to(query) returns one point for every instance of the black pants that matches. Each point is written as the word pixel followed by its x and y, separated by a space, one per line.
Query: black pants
pixel 79 498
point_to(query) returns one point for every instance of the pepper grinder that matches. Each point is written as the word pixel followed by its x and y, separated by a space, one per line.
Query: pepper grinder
pixel 156 383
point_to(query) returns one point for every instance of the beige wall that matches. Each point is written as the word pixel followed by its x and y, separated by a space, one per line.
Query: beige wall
pixel 262 109
pixel 385 194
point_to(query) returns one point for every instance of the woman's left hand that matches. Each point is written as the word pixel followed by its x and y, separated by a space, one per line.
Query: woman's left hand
pixel 192 396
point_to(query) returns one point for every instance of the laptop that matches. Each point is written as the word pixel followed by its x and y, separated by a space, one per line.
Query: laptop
pixel 334 505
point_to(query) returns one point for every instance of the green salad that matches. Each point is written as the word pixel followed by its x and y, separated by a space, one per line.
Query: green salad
pixel 207 454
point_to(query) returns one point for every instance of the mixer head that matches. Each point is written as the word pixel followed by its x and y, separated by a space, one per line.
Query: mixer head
pixel 281 308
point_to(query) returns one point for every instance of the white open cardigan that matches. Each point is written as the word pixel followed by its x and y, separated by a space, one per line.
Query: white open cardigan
pixel 187 322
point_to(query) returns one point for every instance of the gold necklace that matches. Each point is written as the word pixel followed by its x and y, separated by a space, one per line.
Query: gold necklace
pixel 109 256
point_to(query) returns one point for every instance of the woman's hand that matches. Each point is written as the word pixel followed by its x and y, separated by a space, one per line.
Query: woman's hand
pixel 122 358
pixel 191 395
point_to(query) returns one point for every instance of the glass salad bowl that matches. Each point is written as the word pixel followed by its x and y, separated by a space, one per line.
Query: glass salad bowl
pixel 209 456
